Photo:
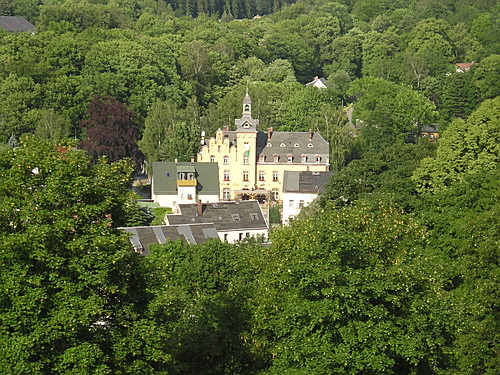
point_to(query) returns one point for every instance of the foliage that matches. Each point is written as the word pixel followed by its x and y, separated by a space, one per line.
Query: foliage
pixel 462 223
pixel 70 292
pixel 110 131
pixel 382 175
pixel 344 293
pixel 390 113
pixel 275 214
pixel 201 289
pixel 159 215
pixel 467 146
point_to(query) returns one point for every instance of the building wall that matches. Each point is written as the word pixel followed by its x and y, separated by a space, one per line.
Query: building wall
pixel 292 204
pixel 218 148
pixel 237 235
pixel 172 200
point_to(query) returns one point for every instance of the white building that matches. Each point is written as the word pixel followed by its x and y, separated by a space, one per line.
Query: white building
pixel 174 183
pixel 300 189
pixel 233 221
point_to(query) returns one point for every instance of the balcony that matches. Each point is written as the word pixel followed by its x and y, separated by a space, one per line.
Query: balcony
pixel 187 182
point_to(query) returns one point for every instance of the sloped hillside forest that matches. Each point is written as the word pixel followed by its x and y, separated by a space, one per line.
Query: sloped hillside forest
pixel 393 270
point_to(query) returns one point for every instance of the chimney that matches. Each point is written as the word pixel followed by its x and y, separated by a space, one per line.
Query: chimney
pixel 316 78
pixel 310 134
pixel 192 159
pixel 176 160
pixel 200 207
pixel 269 132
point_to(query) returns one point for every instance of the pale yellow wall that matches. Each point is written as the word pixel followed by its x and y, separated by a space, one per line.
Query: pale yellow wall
pixel 218 147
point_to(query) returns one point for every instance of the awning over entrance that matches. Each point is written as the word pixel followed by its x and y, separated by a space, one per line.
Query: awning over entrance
pixel 253 194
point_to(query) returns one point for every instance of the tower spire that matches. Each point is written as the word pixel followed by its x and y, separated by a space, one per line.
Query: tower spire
pixel 247 104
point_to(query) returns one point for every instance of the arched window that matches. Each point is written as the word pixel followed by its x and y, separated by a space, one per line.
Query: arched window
pixel 276 158
pixel 275 194
pixel 318 159
pixel 226 160
pixel 290 158
pixel 212 159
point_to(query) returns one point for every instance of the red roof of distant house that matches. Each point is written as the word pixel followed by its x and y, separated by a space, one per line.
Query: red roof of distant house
pixel 464 66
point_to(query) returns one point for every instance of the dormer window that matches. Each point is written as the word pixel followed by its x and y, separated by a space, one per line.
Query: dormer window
pixel 318 159
pixel 276 158
pixel 262 158
pixel 269 144
pixel 246 125
pixel 282 145
pixel 303 158
pixel 296 145
pixel 290 158
pixel 310 145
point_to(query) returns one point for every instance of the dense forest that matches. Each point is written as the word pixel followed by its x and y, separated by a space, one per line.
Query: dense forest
pixel 394 270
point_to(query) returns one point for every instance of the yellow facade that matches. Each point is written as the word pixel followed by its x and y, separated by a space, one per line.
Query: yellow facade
pixel 253 161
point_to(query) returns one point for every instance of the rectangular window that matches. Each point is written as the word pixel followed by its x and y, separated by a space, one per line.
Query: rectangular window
pixel 291 203
pixel 245 175
pixel 275 175
pixel 226 160
pixel 301 203
pixel 226 175
pixel 262 175
pixel 236 217
pixel 275 194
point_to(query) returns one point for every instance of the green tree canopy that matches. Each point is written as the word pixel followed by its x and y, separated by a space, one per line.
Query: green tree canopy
pixel 70 286
pixel 466 146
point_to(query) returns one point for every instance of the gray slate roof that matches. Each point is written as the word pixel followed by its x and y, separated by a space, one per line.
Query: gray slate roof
pixel 193 234
pixel 13 24
pixel 284 143
pixel 305 182
pixel 225 216
pixel 165 176
pixel 294 143
pixel 430 128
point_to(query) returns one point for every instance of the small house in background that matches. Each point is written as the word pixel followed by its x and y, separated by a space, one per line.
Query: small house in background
pixel 194 234
pixel 16 24
pixel 300 189
pixel 174 183
pixel 320 83
pixel 430 131
pixel 233 221
pixel 463 67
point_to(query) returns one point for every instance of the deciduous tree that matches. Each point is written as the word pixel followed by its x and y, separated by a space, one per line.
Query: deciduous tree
pixel 70 288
